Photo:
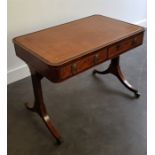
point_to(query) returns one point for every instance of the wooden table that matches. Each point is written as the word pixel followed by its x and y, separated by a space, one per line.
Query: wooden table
pixel 63 51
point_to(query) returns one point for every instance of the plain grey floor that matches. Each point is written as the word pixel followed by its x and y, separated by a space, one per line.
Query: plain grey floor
pixel 95 115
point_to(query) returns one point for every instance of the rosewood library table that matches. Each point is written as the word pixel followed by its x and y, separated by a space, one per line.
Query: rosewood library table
pixel 63 51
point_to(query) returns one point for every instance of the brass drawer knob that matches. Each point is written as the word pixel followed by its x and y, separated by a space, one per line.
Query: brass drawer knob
pixel 118 47
pixel 96 58
pixel 134 42
pixel 74 68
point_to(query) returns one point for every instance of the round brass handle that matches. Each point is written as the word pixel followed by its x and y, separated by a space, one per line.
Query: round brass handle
pixel 134 42
pixel 118 47
pixel 74 68
pixel 96 58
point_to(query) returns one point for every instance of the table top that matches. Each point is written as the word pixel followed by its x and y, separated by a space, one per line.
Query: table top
pixel 61 44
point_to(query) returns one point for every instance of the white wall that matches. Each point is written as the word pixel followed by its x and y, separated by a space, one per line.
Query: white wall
pixel 26 16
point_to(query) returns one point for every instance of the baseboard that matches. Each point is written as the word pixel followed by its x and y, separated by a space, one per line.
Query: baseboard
pixel 17 74
pixel 142 23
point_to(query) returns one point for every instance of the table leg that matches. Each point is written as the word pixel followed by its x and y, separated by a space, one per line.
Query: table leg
pixel 114 68
pixel 39 106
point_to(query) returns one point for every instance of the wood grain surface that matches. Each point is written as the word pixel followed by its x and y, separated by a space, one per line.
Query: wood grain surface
pixel 60 44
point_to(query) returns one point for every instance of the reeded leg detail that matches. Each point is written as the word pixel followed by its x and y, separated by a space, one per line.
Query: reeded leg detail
pixel 39 106
pixel 114 68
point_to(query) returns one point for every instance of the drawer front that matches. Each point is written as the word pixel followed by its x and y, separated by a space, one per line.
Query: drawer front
pixel 83 64
pixel 125 45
